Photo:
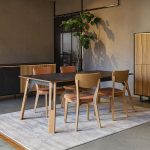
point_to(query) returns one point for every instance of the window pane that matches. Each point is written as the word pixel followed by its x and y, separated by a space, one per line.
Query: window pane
pixel 75 49
pixel 65 48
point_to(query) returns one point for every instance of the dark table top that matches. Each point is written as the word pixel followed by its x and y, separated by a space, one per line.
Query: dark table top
pixel 64 77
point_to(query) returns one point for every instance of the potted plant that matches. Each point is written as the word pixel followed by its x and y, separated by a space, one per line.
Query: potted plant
pixel 81 28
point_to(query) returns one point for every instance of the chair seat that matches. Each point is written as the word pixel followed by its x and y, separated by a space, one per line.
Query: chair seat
pixel 45 90
pixel 84 97
pixel 108 92
pixel 69 87
pixel 60 90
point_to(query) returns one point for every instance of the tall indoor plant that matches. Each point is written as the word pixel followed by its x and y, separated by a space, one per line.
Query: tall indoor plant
pixel 81 28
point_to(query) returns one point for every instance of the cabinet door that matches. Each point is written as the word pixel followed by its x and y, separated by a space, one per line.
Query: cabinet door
pixel 138 80
pixel 144 80
pixel 148 80
pixel 25 70
pixel 28 70
pixel 144 48
pixel 9 80
pixel 138 49
pixel 147 55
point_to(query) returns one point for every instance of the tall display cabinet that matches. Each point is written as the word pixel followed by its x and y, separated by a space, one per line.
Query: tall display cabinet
pixel 142 64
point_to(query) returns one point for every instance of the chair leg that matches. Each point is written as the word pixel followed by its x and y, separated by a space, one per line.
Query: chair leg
pixel 36 101
pixel 130 98
pixel 125 107
pixel 97 114
pixel 77 116
pixel 46 105
pixel 62 101
pixel 98 102
pixel 112 109
pixel 94 113
pixel 99 99
pixel 131 103
pixel 65 111
pixel 88 106
pixel 110 104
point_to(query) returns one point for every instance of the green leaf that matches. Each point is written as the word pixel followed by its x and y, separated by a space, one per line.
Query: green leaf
pixel 92 23
pixel 82 23
pixel 97 20
pixel 76 34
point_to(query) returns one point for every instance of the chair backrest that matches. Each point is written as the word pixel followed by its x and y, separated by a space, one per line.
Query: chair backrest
pixel 67 69
pixel 43 70
pixel 120 76
pixel 87 80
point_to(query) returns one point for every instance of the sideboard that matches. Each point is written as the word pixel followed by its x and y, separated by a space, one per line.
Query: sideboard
pixel 10 83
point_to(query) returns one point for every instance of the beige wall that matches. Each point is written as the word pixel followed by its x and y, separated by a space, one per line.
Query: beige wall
pixel 67 6
pixel 115 47
pixel 89 4
pixel 26 31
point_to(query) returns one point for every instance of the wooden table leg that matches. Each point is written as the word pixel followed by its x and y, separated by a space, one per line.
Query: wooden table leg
pixel 52 108
pixel 24 99
pixel 130 97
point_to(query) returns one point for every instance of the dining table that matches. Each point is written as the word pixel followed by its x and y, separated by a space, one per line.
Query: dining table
pixel 51 81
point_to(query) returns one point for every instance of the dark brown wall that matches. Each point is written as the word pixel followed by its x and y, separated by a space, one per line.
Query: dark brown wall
pixel 26 31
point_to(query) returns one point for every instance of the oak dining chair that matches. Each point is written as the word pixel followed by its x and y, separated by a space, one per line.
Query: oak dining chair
pixel 118 77
pixel 87 87
pixel 42 90
pixel 70 88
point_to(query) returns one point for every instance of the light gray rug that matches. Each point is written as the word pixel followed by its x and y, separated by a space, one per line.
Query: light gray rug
pixel 32 132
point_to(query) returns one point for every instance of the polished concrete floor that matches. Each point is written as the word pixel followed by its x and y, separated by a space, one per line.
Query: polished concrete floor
pixel 137 138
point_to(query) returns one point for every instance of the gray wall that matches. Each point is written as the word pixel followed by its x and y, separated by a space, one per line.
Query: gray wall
pixel 26 31
pixel 114 48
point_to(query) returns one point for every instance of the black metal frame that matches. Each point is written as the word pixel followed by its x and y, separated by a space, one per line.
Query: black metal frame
pixel 92 9
pixel 57 38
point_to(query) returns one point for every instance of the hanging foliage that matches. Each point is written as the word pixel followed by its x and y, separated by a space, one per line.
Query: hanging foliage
pixel 81 25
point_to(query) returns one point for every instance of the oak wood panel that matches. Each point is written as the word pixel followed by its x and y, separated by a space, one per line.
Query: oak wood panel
pixel 148 79
pixel 138 49
pixel 144 48
pixel 138 79
pixel 142 64
pixel 28 70
pixel 144 80
pixel 148 49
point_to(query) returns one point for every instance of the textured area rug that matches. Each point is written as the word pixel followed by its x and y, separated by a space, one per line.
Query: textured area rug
pixel 32 132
